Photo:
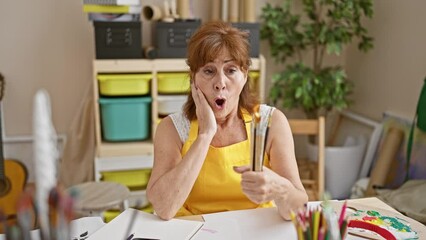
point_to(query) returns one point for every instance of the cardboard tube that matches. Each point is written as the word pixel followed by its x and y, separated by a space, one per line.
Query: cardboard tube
pixel 152 12
pixel 150 52
pixel 215 5
pixel 249 11
pixel 387 154
pixel 183 9
pixel 241 10
pixel 233 10
pixel 224 6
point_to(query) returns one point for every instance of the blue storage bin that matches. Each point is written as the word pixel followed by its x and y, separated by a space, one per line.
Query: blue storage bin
pixel 125 119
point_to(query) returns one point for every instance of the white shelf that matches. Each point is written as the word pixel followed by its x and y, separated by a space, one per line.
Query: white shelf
pixel 130 155
pixel 111 149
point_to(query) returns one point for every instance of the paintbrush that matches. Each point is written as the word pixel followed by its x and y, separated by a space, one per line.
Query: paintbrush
pixel 257 141
pixel 25 214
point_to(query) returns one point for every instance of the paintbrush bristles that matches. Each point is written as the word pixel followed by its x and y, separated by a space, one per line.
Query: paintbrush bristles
pixel 256 114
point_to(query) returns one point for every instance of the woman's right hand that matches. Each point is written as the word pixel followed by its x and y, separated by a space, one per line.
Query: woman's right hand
pixel 205 115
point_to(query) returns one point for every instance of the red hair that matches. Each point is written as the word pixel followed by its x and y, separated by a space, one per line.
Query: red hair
pixel 204 47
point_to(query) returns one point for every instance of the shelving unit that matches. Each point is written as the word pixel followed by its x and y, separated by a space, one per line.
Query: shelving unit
pixel 121 156
pixel 144 148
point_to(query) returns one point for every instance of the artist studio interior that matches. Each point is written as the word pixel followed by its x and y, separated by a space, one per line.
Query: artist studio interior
pixel 218 119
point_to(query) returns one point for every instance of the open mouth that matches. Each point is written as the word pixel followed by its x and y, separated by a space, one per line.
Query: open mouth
pixel 220 102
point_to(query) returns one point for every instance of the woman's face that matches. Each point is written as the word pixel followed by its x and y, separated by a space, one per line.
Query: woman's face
pixel 221 81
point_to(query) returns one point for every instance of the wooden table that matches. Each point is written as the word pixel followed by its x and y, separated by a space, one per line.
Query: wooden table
pixel 371 201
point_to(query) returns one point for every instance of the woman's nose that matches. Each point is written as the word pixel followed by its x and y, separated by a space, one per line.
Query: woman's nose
pixel 220 82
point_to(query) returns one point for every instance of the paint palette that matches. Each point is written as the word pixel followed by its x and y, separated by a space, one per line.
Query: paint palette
pixel 376 223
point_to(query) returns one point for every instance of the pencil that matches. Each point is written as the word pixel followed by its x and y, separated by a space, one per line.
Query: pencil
pixel 342 213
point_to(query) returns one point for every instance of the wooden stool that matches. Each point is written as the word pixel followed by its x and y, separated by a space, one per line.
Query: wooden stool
pixel 95 197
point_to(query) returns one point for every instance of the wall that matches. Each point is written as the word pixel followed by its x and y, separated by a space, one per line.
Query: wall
pixel 389 77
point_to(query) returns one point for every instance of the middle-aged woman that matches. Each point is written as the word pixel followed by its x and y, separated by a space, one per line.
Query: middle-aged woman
pixel 202 154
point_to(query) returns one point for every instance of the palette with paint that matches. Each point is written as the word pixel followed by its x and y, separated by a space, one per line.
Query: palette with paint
pixel 375 223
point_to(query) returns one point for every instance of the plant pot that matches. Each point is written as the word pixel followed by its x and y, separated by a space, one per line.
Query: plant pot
pixel 342 165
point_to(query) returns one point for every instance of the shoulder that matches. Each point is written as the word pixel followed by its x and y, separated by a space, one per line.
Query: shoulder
pixel 165 126
pixel 278 119
pixel 276 114
pixel 166 131
pixel 181 124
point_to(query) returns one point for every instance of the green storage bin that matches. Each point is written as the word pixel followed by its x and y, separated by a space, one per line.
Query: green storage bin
pixel 125 119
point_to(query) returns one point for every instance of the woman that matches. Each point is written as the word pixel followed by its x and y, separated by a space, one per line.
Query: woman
pixel 202 154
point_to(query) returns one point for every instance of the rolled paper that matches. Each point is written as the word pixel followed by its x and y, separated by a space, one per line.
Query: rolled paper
pixel 152 12
pixel 173 8
pixel 166 7
pixel 224 6
pixel 387 155
pixel 241 10
pixel 150 52
pixel 249 11
pixel 215 5
pixel 183 9
pixel 233 10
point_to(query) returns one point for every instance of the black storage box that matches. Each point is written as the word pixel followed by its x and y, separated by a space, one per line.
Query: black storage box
pixel 118 40
pixel 171 38
pixel 254 37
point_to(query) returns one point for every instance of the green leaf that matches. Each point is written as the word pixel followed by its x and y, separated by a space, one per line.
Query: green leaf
pixel 294 33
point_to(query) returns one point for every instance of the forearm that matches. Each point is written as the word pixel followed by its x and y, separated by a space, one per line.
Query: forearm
pixel 289 198
pixel 170 191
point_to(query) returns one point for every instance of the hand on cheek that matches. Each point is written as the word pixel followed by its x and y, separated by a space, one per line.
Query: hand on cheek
pixel 205 115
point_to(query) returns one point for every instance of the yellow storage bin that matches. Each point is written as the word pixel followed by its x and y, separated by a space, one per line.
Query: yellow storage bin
pixel 124 84
pixel 133 179
pixel 254 75
pixel 172 83
pixel 254 78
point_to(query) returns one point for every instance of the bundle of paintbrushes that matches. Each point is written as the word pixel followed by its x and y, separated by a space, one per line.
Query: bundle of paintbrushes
pixel 259 134
pixel 320 223
pixel 28 225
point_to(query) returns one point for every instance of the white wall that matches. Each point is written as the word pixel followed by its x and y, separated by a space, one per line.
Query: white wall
pixel 389 77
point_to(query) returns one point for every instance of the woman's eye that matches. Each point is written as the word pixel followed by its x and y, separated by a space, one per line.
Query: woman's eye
pixel 208 71
pixel 232 70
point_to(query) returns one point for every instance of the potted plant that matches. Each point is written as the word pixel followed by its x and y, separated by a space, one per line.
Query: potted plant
pixel 324 27
pixel 307 37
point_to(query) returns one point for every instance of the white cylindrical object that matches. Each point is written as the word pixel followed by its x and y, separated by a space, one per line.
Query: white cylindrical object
pixel 45 156
pixel 152 12
pixel 233 10
pixel 183 9
pixel 224 10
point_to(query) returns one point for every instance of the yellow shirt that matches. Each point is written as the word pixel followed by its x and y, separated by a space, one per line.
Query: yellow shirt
pixel 218 187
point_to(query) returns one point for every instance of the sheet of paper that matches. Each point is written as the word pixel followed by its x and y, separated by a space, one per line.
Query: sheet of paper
pixel 260 223
pixel 225 229
pixel 146 225
pixel 85 226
